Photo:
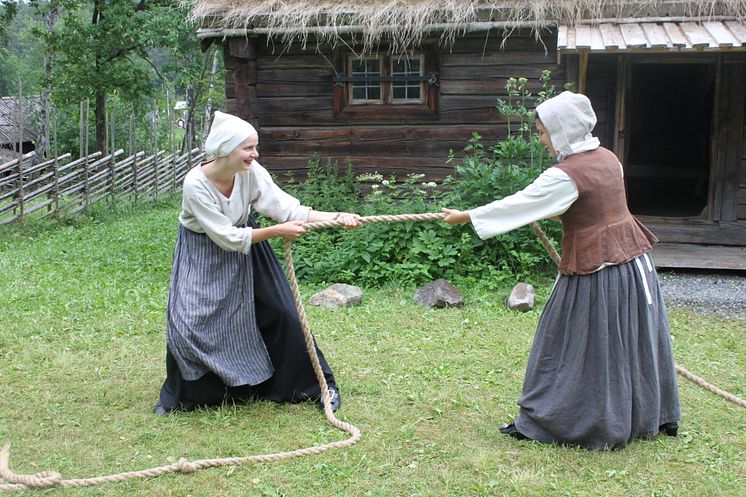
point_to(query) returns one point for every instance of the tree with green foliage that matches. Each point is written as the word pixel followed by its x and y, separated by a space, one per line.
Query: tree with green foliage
pixel 7 14
pixel 125 57
pixel 98 49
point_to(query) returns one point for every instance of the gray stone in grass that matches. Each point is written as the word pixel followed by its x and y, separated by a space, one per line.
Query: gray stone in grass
pixel 438 294
pixel 337 295
pixel 522 297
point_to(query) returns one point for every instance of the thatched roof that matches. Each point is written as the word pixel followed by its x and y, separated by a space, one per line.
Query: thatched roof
pixel 405 22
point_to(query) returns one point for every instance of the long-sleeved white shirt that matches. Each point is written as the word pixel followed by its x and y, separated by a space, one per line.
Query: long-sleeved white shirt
pixel 550 195
pixel 206 210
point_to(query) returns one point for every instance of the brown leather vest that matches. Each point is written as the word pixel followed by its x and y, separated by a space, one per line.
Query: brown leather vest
pixel 598 227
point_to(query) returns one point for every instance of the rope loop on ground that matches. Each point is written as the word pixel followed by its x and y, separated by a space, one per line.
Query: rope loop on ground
pixel 48 479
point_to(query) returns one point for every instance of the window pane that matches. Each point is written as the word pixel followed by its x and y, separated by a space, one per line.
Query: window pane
pixel 372 66
pixel 365 69
pixel 358 92
pixel 406 67
pixel 403 67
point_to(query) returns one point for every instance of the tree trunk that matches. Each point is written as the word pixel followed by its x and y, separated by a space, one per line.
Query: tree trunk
pixel 100 109
pixel 43 145
pixel 100 112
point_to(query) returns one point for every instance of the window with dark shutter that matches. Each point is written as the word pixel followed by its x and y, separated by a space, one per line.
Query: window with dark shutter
pixel 384 85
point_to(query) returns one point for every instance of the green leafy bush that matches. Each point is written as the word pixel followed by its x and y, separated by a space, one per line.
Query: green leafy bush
pixel 412 253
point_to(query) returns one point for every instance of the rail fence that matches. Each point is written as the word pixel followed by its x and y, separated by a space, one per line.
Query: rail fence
pixel 62 187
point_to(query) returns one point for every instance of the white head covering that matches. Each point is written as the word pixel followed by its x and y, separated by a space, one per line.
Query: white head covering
pixel 569 120
pixel 226 133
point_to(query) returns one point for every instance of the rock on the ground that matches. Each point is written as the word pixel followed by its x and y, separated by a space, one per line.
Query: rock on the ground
pixel 438 293
pixel 522 297
pixel 338 295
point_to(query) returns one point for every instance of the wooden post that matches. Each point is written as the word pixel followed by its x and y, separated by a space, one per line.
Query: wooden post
pixel 241 57
pixel 19 123
pixel 134 180
pixel 83 130
pixel 112 163
pixel 56 168
pixel 190 119
pixel 154 128
pixel 173 171
pixel 106 130
pixel 582 71
pixel 80 132
pixel 623 81
pixel 170 118
pixel 155 175
pixel 571 70
pixel 86 197
pixel 133 136
pixel 208 108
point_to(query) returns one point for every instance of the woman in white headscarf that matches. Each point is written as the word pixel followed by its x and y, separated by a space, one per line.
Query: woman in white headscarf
pixel 232 328
pixel 601 370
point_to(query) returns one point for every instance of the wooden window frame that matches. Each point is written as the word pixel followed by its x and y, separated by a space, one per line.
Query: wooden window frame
pixel 381 87
pixel 387 108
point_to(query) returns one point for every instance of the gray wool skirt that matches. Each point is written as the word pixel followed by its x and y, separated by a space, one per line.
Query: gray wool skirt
pixel 601 370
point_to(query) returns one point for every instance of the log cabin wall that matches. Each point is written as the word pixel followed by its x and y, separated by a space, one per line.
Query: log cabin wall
pixel 739 83
pixel 288 94
pixel 724 221
pixel 741 211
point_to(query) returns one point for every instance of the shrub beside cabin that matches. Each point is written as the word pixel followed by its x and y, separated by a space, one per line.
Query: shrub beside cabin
pixel 392 86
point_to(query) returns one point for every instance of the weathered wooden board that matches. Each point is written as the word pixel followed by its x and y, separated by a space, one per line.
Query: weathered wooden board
pixel 697 231
pixel 496 58
pixel 691 256
pixel 411 141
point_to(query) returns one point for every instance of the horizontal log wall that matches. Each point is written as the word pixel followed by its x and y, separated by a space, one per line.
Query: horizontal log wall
pixel 288 95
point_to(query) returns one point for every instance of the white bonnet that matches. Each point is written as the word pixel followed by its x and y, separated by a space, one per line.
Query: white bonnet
pixel 569 119
pixel 226 133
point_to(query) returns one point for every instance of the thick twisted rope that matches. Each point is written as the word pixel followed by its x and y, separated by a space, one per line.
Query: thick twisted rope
pixel 53 479
pixel 48 479
pixel 710 387
pixel 554 255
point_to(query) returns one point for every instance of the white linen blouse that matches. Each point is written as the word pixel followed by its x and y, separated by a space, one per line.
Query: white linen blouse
pixel 206 210
pixel 550 195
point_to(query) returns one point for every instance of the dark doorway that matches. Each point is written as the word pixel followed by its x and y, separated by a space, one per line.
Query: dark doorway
pixel 668 159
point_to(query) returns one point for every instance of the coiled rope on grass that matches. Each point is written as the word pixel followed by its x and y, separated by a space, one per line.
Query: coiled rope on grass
pixel 48 479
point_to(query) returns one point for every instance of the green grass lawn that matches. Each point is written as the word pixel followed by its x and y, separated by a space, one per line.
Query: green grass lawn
pixel 82 345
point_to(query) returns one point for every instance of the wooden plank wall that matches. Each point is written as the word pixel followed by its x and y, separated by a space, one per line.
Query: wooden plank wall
pixel 741 177
pixel 741 208
pixel 288 94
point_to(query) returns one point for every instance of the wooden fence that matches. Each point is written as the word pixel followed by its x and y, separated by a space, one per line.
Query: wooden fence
pixel 62 187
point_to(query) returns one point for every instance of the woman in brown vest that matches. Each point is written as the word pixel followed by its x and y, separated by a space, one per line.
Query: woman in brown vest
pixel 601 370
